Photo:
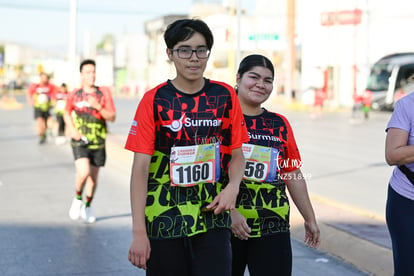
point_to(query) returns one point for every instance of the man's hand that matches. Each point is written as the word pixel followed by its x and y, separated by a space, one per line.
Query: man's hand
pixel 139 251
pixel 225 200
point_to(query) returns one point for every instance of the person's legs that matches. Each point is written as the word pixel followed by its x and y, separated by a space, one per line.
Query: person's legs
pixel 40 126
pixel 270 255
pixel 83 171
pixel 82 167
pixel 168 258
pixel 84 180
pixel 50 123
pixel 61 125
pixel 400 222
pixel 239 249
pixel 91 182
pixel 97 159
pixel 211 253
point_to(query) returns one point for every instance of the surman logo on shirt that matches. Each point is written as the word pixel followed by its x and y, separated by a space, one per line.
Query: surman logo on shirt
pixel 82 104
pixel 263 137
pixel 177 125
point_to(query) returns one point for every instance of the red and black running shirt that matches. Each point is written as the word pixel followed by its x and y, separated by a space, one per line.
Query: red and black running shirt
pixel 42 94
pixel 265 205
pixel 167 117
pixel 87 120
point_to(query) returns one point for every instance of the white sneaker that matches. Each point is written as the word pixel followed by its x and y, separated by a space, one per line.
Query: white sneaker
pixel 60 140
pixel 75 209
pixel 86 214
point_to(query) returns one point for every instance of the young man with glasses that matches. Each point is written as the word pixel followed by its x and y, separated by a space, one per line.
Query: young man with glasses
pixel 186 137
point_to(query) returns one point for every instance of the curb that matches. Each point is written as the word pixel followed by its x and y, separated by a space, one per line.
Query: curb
pixel 354 236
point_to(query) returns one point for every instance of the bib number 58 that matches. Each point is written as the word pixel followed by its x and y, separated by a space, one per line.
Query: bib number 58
pixel 255 170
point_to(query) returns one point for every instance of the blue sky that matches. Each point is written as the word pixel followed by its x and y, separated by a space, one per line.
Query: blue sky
pixel 44 24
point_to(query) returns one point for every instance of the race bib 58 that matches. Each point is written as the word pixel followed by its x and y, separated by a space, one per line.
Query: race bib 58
pixel 261 163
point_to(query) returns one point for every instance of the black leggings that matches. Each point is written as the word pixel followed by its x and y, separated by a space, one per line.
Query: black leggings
pixel 204 254
pixel 269 255
pixel 400 222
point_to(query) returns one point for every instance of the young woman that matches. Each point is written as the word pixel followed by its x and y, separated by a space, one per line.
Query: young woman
pixel 261 219
pixel 399 152
pixel 186 137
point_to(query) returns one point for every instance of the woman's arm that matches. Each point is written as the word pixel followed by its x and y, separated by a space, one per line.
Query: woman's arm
pixel 298 191
pixel 397 152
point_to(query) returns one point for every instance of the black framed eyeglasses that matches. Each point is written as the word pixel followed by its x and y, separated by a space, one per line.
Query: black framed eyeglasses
pixel 187 52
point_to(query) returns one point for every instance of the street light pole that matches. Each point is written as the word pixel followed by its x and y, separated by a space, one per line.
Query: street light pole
pixel 291 50
pixel 72 43
pixel 238 15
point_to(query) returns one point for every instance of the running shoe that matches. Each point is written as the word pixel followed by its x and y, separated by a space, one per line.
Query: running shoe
pixel 75 209
pixel 60 140
pixel 42 139
pixel 86 214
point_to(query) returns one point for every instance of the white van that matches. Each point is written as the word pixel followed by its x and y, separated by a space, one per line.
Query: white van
pixel 391 78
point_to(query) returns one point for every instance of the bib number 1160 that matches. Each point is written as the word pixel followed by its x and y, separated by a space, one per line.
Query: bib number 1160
pixel 192 173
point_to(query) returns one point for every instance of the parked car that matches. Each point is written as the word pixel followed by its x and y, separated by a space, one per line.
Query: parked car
pixel 391 78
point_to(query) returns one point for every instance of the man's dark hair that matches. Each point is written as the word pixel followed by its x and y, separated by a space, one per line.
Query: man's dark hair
pixel 87 62
pixel 184 29
pixel 255 60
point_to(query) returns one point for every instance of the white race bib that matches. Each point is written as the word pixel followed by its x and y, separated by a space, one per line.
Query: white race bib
pixel 60 105
pixel 261 163
pixel 42 98
pixel 193 165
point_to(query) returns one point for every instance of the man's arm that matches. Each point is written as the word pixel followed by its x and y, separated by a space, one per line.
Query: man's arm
pixel 140 249
pixel 226 199
pixel 29 96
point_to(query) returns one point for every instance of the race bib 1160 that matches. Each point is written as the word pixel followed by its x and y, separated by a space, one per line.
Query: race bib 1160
pixel 193 165
pixel 261 163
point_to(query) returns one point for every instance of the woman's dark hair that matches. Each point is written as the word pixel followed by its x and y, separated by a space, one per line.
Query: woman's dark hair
pixel 184 29
pixel 255 60
pixel 87 62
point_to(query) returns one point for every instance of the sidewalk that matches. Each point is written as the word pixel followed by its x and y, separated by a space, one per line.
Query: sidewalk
pixel 352 235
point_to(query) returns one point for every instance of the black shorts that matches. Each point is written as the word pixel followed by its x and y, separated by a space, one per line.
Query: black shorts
pixel 261 255
pixel 204 254
pixel 38 113
pixel 97 157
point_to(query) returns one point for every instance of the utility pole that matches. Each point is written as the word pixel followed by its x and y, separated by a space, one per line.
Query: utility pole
pixel 72 44
pixel 291 49
pixel 231 64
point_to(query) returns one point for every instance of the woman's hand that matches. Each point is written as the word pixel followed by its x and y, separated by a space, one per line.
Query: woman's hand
pixel 239 225
pixel 312 235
